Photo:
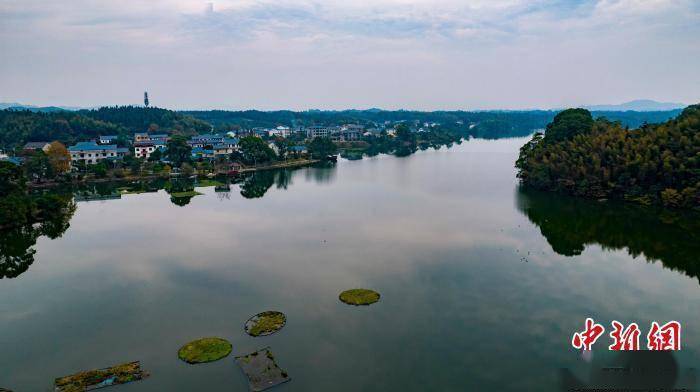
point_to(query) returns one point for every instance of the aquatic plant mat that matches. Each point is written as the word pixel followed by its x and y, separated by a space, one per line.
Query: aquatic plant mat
pixel 265 323
pixel 100 378
pixel 204 350
pixel 359 297
pixel 261 369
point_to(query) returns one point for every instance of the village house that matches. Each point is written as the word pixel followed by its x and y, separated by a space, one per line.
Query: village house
pixel 109 139
pixel 146 148
pixel 140 137
pixel 91 152
pixel 122 152
pixel 280 131
pixel 33 146
pixel 205 140
pixel 298 150
pixel 202 153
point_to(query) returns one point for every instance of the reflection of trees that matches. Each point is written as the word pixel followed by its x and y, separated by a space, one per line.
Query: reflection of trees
pixel 257 184
pixel 322 172
pixel 283 179
pixel 181 191
pixel 16 243
pixel 569 224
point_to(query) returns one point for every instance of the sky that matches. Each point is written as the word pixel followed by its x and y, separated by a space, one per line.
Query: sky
pixel 343 54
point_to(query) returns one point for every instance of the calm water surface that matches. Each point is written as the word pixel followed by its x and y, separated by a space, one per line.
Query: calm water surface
pixel 482 284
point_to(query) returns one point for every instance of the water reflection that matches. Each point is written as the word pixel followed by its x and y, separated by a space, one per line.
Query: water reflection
pixel 569 224
pixel 257 184
pixel 17 243
pixel 633 370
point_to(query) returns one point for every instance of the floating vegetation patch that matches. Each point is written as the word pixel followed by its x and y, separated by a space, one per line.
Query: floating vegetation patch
pixel 204 350
pixel 261 369
pixel 359 297
pixel 100 378
pixel 265 323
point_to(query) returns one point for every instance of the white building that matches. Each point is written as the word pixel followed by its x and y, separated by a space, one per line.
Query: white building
pixel 91 152
pixel 145 149
pixel 319 131
pixel 281 131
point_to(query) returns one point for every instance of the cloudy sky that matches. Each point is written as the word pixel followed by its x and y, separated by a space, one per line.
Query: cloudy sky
pixel 336 54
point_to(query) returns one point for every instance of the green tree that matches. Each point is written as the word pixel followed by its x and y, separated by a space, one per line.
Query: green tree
pixel 404 134
pixel 178 151
pixel 283 146
pixel 155 155
pixel 255 150
pixel 322 147
pixel 38 167
pixel 567 124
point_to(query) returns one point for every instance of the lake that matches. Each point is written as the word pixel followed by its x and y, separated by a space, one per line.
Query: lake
pixel 482 284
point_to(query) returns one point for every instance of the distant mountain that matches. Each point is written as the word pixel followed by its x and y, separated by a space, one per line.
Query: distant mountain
pixel 639 105
pixel 43 109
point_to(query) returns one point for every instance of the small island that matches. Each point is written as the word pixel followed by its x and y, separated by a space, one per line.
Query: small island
pixel 655 164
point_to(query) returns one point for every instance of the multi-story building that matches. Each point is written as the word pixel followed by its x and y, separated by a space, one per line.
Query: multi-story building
pixel 91 152
pixel 205 140
pixel 350 132
pixel 319 131
pixel 145 149
pixel 141 137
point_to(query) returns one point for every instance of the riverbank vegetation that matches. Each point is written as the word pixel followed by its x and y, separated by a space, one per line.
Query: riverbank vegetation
pixel 653 164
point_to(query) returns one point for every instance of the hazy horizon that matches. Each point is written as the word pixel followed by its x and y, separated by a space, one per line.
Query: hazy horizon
pixel 332 55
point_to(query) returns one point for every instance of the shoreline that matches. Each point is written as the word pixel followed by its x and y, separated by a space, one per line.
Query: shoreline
pixel 278 165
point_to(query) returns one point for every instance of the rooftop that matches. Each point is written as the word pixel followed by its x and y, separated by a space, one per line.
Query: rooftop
pixel 92 146
pixel 35 145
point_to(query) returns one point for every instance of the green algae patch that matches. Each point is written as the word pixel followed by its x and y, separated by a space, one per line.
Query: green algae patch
pixel 205 350
pixel 262 370
pixel 359 297
pixel 100 378
pixel 265 323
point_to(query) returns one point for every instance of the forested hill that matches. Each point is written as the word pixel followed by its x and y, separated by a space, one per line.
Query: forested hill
pixel 653 164
pixel 139 119
pixel 20 126
pixel 488 124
